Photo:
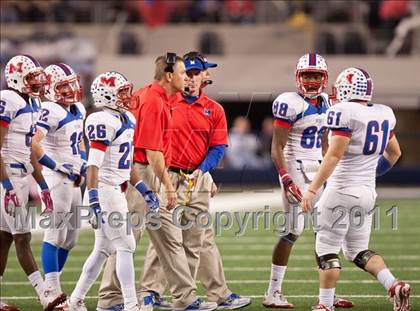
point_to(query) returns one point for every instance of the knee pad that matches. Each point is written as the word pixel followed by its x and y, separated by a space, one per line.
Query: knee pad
pixel 328 261
pixel 126 243
pixel 290 238
pixel 363 257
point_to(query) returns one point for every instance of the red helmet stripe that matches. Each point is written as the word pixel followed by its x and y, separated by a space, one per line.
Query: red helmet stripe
pixel 312 59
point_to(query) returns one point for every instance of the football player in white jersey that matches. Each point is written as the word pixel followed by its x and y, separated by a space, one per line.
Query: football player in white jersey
pixel 19 109
pixel 58 146
pixel 110 133
pixel 299 138
pixel 362 146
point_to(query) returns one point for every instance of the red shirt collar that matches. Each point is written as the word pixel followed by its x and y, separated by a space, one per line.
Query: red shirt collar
pixel 201 100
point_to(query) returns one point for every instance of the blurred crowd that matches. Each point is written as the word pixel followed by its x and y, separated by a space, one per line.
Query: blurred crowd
pixel 375 13
pixel 247 149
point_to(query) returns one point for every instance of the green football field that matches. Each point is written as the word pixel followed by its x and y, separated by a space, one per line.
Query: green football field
pixel 247 262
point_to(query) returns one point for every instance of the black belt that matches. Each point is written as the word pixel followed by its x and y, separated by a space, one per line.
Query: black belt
pixel 179 170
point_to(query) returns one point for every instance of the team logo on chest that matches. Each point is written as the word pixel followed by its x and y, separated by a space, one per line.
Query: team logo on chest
pixel 207 112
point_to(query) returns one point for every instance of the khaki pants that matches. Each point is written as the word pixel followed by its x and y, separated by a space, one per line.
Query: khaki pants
pixel 210 271
pixel 110 290
pixel 179 249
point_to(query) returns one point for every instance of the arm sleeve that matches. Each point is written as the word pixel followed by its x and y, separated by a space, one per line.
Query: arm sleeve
pixel 213 157
pixel 284 112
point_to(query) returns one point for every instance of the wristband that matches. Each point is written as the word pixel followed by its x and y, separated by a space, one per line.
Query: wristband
pixel 285 177
pixel 93 196
pixel 141 187
pixel 43 185
pixel 83 155
pixel 383 166
pixel 45 160
pixel 7 185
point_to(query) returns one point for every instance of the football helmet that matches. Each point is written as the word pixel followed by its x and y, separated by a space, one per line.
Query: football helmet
pixel 64 84
pixel 353 84
pixel 25 75
pixel 111 89
pixel 311 62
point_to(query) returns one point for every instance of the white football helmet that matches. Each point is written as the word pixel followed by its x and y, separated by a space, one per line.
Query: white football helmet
pixel 311 62
pixel 64 84
pixel 111 89
pixel 353 83
pixel 25 75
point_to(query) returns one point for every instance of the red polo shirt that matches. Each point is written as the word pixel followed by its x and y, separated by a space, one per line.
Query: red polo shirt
pixel 196 127
pixel 150 106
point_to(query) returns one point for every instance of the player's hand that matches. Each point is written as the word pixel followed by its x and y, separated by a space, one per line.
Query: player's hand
pixel 66 169
pixel 96 215
pixel 307 199
pixel 292 191
pixel 152 201
pixel 293 194
pixel 11 201
pixel 48 202
pixel 213 190
pixel 80 180
pixel 171 198
pixel 83 169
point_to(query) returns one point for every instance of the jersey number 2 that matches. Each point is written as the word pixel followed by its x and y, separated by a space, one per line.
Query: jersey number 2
pixel 124 162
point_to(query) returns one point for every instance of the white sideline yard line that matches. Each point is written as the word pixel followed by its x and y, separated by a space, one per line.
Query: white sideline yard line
pixel 261 247
pixel 254 258
pixel 248 269
pixel 368 282
pixel 250 296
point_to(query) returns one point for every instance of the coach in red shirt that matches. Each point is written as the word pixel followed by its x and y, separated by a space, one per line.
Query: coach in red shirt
pixel 199 139
pixel 152 147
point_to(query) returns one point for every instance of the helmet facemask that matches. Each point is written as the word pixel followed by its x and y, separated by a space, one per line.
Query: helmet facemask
pixel 35 83
pixel 124 96
pixel 314 87
pixel 68 92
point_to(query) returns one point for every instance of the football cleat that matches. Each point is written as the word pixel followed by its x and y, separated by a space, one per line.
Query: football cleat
pixel 321 307
pixel 234 301
pixel 276 301
pixel 342 303
pixel 51 298
pixel 6 307
pixel 199 305
pixel 160 303
pixel 399 294
pixel 133 308
pixel 147 303
pixel 77 306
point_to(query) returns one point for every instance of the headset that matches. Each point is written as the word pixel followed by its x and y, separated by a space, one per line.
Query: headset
pixel 170 60
pixel 201 58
